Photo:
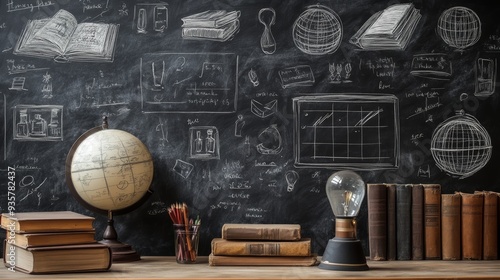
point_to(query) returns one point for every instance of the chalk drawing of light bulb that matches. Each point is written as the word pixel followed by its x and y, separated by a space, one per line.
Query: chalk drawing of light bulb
pixel 291 178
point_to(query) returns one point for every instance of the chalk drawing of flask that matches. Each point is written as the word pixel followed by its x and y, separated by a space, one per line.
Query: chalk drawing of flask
pixel 267 41
pixel 142 20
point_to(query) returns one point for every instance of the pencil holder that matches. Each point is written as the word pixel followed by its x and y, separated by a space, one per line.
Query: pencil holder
pixel 186 242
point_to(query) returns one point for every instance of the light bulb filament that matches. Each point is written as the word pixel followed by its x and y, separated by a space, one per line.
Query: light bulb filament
pixel 347 198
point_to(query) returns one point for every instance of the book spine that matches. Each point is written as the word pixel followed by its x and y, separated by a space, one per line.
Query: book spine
pixel 261 260
pixel 391 222
pixel 417 222
pixel 451 228
pixel 243 233
pixel 432 221
pixel 377 221
pixel 490 226
pixel 472 226
pixel 403 219
pixel 223 247
pixel 203 32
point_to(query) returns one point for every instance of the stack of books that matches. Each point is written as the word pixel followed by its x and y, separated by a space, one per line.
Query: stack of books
pixel 262 244
pixel 52 242
pixel 215 25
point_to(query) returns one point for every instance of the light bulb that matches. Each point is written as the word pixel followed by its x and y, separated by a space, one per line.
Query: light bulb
pixel 345 190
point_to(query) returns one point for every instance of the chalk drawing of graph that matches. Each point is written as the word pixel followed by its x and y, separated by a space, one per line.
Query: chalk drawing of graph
pixel 356 131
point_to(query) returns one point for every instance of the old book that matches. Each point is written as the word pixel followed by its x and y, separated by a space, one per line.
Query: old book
pixel 391 222
pixel 432 221
pixel 451 227
pixel 490 225
pixel 210 18
pixel 472 226
pixel 377 221
pixel 391 28
pixel 224 247
pixel 50 221
pixel 58 259
pixel 61 38
pixel 417 222
pixel 403 220
pixel 261 231
pixel 54 238
pixel 262 260
pixel 221 34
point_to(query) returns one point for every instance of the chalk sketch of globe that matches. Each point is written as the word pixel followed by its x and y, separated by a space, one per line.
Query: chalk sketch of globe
pixel 461 146
pixel 111 169
pixel 459 27
pixel 318 30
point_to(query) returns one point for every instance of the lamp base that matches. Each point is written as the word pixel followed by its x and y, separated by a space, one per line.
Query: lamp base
pixel 344 254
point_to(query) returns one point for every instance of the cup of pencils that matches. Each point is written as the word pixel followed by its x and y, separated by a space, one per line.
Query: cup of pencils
pixel 186 233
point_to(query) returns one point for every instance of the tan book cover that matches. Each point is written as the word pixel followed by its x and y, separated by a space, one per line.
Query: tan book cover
pixel 58 259
pixel 54 238
pixel 262 260
pixel 224 247
pixel 261 231
pixel 46 221
pixel 432 221
pixel 490 226
pixel 451 228
pixel 472 226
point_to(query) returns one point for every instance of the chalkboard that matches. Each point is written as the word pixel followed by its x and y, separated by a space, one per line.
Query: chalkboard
pixel 288 91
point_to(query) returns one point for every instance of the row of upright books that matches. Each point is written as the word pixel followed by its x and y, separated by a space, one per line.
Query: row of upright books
pixel 52 242
pixel 261 244
pixel 418 222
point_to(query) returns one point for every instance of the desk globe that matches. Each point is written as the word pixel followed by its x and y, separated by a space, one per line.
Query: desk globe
pixel 109 171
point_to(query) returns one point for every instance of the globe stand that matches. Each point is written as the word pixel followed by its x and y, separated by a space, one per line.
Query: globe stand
pixel 121 252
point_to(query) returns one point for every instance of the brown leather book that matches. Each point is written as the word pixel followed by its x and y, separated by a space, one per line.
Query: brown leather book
pixel 54 238
pixel 432 221
pixel 261 231
pixel 417 222
pixel 490 226
pixel 261 260
pixel 46 221
pixel 58 259
pixel 224 247
pixel 391 222
pixel 377 221
pixel 472 226
pixel 450 222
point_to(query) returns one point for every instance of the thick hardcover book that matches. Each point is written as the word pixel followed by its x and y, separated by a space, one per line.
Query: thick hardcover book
pixel 61 38
pixel 223 247
pixel 377 221
pixel 261 231
pixel 262 260
pixel 490 226
pixel 403 219
pixel 472 226
pixel 51 221
pixel 432 221
pixel 54 238
pixel 58 259
pixel 221 34
pixel 210 18
pixel 451 228
pixel 417 222
pixel 391 222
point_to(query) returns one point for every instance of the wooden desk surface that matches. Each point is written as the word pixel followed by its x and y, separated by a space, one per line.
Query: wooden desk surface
pixel 167 268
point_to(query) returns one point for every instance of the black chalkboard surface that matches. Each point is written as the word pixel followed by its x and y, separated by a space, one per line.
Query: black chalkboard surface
pixel 290 91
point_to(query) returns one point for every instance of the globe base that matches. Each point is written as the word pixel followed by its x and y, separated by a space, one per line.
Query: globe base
pixel 121 252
